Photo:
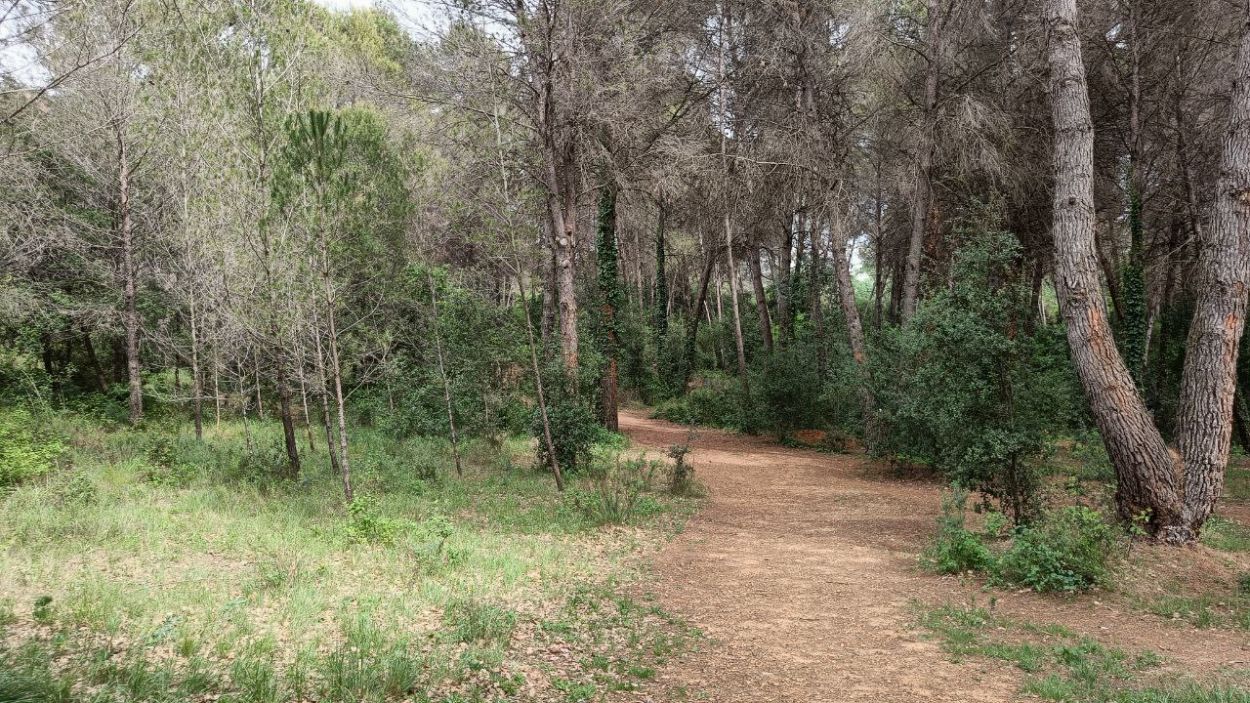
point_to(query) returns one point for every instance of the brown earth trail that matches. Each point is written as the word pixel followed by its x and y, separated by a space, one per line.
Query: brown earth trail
pixel 801 570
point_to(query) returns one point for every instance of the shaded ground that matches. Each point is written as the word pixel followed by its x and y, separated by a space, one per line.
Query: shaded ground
pixel 802 572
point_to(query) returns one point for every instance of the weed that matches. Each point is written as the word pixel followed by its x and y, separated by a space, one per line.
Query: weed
pixel 956 549
pixel 471 621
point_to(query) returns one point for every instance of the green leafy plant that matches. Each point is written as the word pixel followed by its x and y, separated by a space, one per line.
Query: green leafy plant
pixel 27 449
pixel 367 525
pixel 956 549
pixel 617 493
pixel 1070 550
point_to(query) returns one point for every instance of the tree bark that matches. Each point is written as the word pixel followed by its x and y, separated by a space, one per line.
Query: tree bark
pixel 442 371
pixel 761 300
pixel 924 160
pixel 692 324
pixel 129 274
pixel 784 286
pixel 1209 379
pixel 287 418
pixel 855 332
pixel 610 300
pixel 733 291
pixel 1145 470
pixel 97 371
pixel 538 386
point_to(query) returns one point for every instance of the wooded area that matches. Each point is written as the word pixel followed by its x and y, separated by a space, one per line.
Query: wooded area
pixel 275 245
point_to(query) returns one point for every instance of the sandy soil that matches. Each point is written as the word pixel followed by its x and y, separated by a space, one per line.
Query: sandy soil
pixel 801 570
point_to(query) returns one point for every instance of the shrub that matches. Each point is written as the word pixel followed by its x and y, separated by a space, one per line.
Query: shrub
pixel 574 430
pixel 969 386
pixel 681 476
pixel 367 525
pixel 1069 550
pixel 27 449
pixel 956 549
pixel 618 486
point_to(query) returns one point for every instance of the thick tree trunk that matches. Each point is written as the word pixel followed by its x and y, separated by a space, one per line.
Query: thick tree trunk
pixel 564 243
pixel 1145 469
pixel 761 300
pixel 924 160
pixel 1209 380
pixel 129 275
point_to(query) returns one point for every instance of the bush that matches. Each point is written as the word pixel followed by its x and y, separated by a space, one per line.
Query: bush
pixel 1069 550
pixel 27 449
pixel 367 525
pixel 956 549
pixel 574 430
pixel 618 487
pixel 970 387
pixel 681 476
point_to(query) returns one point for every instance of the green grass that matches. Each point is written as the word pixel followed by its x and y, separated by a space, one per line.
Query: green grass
pixel 1226 535
pixel 159 568
pixel 1060 665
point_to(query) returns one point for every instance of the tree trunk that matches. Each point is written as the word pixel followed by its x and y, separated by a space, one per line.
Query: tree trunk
pixel 442 371
pixel 610 297
pixel 784 286
pixel 924 160
pixel 129 274
pixel 692 325
pixel 324 393
pixel 855 331
pixel 197 376
pixel 1145 470
pixel 761 300
pixel 538 386
pixel 97 371
pixel 661 277
pixel 1209 379
pixel 288 420
pixel 733 291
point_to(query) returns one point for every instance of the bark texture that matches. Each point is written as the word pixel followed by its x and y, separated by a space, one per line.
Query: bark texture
pixel 1209 380
pixel 1145 469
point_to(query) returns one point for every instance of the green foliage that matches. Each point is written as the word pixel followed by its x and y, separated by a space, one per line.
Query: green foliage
pixel 28 450
pixel 1070 550
pixel 617 493
pixel 367 525
pixel 791 390
pixel 969 387
pixel 681 476
pixel 574 431
pixel 956 549
pixel 474 622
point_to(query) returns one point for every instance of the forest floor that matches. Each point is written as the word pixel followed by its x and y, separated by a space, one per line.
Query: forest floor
pixel 802 571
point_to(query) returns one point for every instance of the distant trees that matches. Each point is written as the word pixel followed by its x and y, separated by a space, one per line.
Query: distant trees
pixel 732 208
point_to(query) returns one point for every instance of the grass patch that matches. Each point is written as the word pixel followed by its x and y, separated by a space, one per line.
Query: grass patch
pixel 160 568
pixel 1226 535
pixel 1061 665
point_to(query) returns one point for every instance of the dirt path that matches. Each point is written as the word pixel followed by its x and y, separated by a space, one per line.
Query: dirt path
pixel 802 572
